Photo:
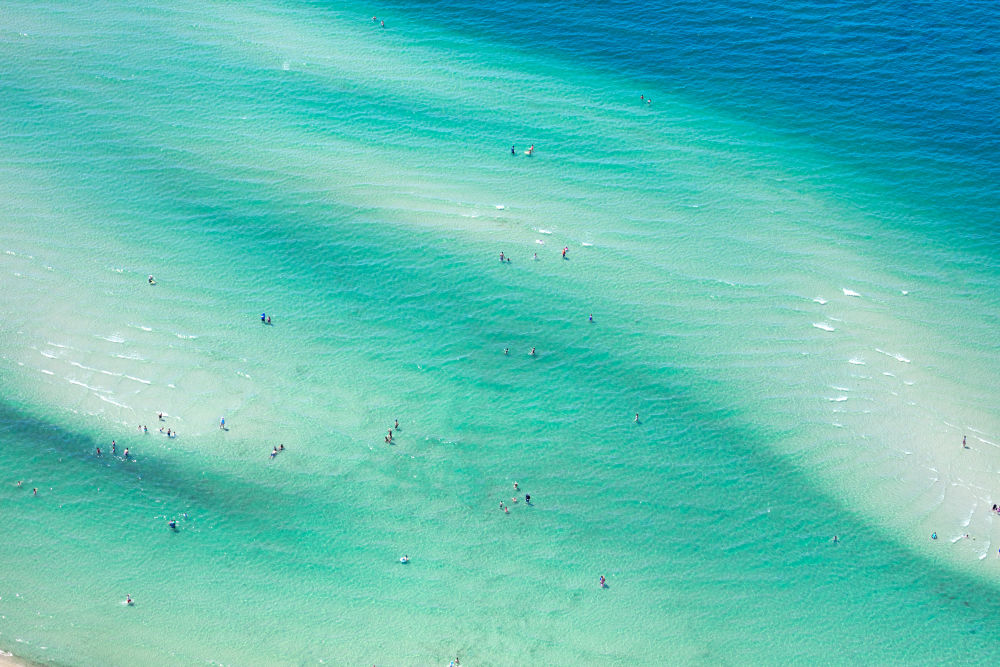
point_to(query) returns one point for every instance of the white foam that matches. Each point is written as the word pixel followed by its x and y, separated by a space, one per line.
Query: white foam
pixel 823 325
pixel 108 400
pixel 895 355
pixel 138 379
pixel 837 399
pixel 820 300
pixel 113 338
pixel 836 388
pixel 544 231
pixel 185 337
pixel 850 292
pixel 46 371
pixel 45 353
pixel 500 207
pixel 539 242
pixel 856 361
pixel 85 386
pixel 587 245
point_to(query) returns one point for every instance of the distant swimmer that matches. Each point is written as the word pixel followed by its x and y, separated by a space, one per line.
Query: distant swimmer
pixel 963 443
pixel 532 353
pixel 565 250
pixel 173 525
pixel 404 559
pixel 396 422
pixel 126 454
pixel 128 600
pixel 263 318
pixel 274 452
pixel 512 151
pixel 152 280
pixel 99 453
pixel 222 423
pixel 591 317
pixel 604 582
pixel 527 499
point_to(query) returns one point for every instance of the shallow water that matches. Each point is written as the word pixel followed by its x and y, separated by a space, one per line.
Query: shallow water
pixel 775 265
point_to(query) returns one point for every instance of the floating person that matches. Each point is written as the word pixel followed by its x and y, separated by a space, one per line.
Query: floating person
pixel 404 560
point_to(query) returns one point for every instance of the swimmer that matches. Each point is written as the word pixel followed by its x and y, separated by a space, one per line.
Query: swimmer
pixel 99 453
pixel 532 353
pixel 933 536
pixel 19 483
pixel 382 23
pixel 565 250
pixel 506 510
pixel 281 448
pixel 506 350
pixel 152 281
pixel 512 151
pixel 396 422
pixel 145 429
pixel 531 150
pixel 965 446
pixel 501 255
pixel 513 500
pixel 268 319
pixel 160 416
pixel 835 540
pixel 515 486
pixel 404 559
pixel 126 454
pixel 34 491
pixel 501 504
pixel 113 450
pixel 161 429
pixel 527 499
pixel 128 600
pixel 636 420
pixel 374 19
pixel 591 317
pixel 222 423
pixel 274 452
pixel 604 583
pixel 263 318
pixel 535 258
pixel 173 525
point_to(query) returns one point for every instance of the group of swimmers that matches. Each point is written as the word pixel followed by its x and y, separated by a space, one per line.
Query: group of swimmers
pixel 388 437
pixel 277 450
pixel 529 152
pixel 514 500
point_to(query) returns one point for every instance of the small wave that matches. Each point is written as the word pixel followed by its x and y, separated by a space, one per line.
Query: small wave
pixel 242 374
pixel 108 400
pixel 587 245
pixel 895 355
pixel 131 356
pixel 544 231
pixel 65 347
pixel 140 326
pixel 47 354
pixel 849 292
pixel 836 388
pixel 185 337
pixel 138 379
pixel 81 366
pixel 84 385
pixel 856 361
pixel 823 325
pixel 820 300
pixel 837 399
pixel 46 371
pixel 113 338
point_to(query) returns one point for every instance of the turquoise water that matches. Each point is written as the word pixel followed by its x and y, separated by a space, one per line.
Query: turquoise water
pixel 791 273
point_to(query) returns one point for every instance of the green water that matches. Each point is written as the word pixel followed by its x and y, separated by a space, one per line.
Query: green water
pixel 347 180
